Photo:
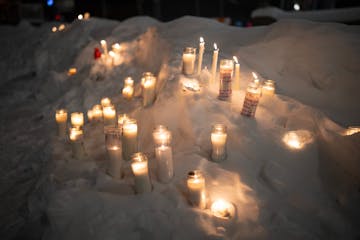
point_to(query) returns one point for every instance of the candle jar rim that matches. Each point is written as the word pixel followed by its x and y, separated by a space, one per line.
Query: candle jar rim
pixel 189 50
pixel 61 111
pixel 219 127
pixel 269 82
pixel 227 62
pixel 97 107
pixel 139 157
pixel 195 174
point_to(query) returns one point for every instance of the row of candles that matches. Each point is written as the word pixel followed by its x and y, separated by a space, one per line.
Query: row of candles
pixel 226 77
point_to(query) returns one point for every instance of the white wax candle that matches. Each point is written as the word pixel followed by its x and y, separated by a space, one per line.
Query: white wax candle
pixel 214 63
pixel 76 139
pixel 161 135
pixel 90 115
pixel 139 167
pixel 189 56
pixel 128 92
pixel 201 53
pixel 164 163
pixel 86 15
pixel 237 74
pixel 149 91
pixel 218 141
pixel 61 120
pixel 77 119
pixel 196 189
pixel 115 161
pixel 104 47
pixel 129 141
pixel 109 114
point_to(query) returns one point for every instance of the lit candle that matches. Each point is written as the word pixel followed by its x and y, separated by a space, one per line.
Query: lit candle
pixel 222 209
pixel 90 115
pixel 116 47
pixel 237 74
pixel 352 130
pixel 268 88
pixel 77 119
pixel 196 189
pixel 139 166
pixel 61 119
pixel 105 102
pixel 54 29
pixel 214 62
pixel 112 58
pixel 218 141
pixel 226 69
pixel 104 47
pixel 251 101
pixel 149 94
pixel 72 71
pixel 189 56
pixel 109 114
pixel 256 79
pixel 80 17
pixel 163 154
pixel 87 16
pixel 128 90
pixel 61 27
pixel 113 147
pixel 121 119
pixel 76 138
pixel 97 112
pixel 129 141
pixel 201 53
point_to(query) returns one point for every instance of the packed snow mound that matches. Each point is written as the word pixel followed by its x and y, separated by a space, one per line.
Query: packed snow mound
pixel 279 193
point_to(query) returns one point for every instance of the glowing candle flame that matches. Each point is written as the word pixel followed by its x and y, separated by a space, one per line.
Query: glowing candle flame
pixel 235 59
pixel 215 46
pixel 112 54
pixel 54 29
pixel 61 27
pixel 103 42
pixel 80 16
pixel 222 209
pixel 297 139
pixel 201 39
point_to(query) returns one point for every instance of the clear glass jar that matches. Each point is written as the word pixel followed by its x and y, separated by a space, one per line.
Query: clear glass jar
pixel 218 141
pixel 225 75
pixel 196 189
pixel 139 167
pixel 189 56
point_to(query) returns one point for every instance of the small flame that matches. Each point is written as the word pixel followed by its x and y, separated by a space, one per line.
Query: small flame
pixel 201 39
pixel 254 75
pixel 80 16
pixel 103 42
pixel 54 29
pixel 112 54
pixel 215 46
pixel 117 46
pixel 61 27
pixel 235 59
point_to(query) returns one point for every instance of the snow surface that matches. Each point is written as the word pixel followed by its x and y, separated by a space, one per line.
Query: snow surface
pixel 279 193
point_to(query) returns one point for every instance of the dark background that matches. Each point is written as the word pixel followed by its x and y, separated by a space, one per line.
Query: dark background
pixel 238 11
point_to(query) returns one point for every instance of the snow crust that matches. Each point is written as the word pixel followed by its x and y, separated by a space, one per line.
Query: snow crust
pixel 278 192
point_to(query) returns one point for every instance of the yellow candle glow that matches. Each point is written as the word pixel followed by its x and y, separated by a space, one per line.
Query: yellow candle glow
pixel 72 71
pixel 268 88
pixel 75 134
pixel 112 58
pixel 161 135
pixel 128 92
pixel 109 114
pixel 189 56
pixel 61 27
pixel 76 139
pixel 218 141
pixel 80 17
pixel 77 119
pixel 149 90
pixel 297 139
pixel 352 130
pixel 129 142
pixel 54 29
pixel 222 209
pixel 116 47
pixel 90 115
pixel 105 102
pixel 237 74
pixel 121 119
pixel 196 189
pixel 97 112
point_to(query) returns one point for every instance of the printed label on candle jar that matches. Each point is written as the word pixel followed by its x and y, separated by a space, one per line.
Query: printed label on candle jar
pixel 250 104
pixel 225 90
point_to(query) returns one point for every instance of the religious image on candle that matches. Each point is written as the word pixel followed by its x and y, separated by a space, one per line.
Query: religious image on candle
pixel 218 141
pixel 113 146
pixel 196 189
pixel 225 87
pixel 163 154
pixel 252 97
pixel 61 120
pixel 139 167
pixel 189 56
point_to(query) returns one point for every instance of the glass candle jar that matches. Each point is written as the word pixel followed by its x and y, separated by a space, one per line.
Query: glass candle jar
pixel 163 154
pixel 109 114
pixel 189 56
pixel 161 135
pixel 252 97
pixel 76 137
pixel 139 167
pixel 268 89
pixel 77 119
pixel 218 141
pixel 225 76
pixel 148 92
pixel 61 116
pixel 113 146
pixel 196 189
pixel 129 140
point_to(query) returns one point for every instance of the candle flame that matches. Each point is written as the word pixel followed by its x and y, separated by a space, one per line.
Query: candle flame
pixel 215 46
pixel 254 75
pixel 61 27
pixel 201 39
pixel 102 42
pixel 112 54
pixel 116 46
pixel 54 29
pixel 235 59
pixel 80 16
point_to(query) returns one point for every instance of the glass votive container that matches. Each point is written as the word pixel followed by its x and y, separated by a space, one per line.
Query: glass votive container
pixel 188 60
